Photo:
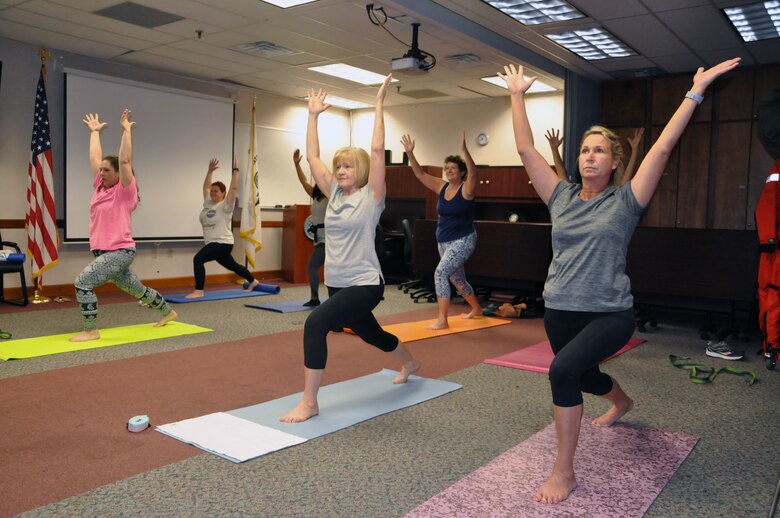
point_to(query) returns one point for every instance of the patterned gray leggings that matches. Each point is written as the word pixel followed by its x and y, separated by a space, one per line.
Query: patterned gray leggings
pixel 453 256
pixel 113 266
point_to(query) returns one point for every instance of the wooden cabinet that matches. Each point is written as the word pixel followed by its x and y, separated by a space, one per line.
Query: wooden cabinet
pixel 296 246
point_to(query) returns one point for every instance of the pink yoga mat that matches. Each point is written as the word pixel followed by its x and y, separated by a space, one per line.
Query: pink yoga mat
pixel 537 358
pixel 620 471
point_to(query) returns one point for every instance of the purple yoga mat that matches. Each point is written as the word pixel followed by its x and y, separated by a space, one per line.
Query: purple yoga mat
pixel 537 357
pixel 620 471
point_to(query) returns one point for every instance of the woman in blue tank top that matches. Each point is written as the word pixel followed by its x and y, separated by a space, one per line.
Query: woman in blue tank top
pixel 587 295
pixel 455 232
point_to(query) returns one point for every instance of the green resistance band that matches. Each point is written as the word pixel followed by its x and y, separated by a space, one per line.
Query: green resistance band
pixel 704 374
pixel 5 335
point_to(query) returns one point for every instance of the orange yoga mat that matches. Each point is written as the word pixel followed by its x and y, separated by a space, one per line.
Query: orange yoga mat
pixel 411 331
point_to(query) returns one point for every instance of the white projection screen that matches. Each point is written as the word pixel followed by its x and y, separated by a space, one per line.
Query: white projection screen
pixel 175 136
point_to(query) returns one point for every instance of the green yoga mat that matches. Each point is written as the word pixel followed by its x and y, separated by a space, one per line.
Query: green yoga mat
pixel 55 344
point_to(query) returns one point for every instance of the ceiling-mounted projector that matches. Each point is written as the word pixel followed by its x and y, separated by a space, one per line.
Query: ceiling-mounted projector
pixel 415 61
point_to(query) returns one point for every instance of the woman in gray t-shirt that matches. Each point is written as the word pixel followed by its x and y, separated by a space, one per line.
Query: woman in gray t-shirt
pixel 356 193
pixel 588 305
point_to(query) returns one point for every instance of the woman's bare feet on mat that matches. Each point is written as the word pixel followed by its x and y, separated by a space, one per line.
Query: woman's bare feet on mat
pixel 197 294
pixel 439 325
pixel 473 314
pixel 85 336
pixel 301 412
pixel 615 412
pixel 251 285
pixel 407 370
pixel 556 489
pixel 167 318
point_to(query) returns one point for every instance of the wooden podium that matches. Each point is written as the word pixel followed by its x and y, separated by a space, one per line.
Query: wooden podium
pixel 296 246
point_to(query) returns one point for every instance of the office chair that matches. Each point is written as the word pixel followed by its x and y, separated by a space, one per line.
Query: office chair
pixel 12 268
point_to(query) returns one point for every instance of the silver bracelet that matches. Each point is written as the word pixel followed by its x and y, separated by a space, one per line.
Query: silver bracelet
pixel 694 96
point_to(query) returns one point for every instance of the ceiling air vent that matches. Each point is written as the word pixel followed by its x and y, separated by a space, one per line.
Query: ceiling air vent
pixel 462 60
pixel 267 48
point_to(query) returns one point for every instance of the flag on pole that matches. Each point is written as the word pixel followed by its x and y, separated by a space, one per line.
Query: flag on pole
pixel 250 202
pixel 41 220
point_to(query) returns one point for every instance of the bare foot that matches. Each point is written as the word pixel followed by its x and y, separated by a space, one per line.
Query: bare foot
pixel 474 313
pixel 167 318
pixel 252 285
pixel 301 412
pixel 407 370
pixel 85 336
pixel 556 489
pixel 439 325
pixel 197 294
pixel 614 413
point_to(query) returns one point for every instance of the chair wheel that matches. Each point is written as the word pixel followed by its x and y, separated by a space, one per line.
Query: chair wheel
pixel 771 362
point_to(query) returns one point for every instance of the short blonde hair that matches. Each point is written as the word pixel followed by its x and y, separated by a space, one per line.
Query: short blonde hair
pixel 359 157
pixel 615 147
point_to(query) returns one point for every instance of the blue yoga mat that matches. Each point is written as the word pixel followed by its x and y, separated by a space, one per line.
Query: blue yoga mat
pixel 290 306
pixel 265 288
pixel 238 293
pixel 347 403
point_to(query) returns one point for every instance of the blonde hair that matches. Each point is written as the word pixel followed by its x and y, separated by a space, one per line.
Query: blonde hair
pixel 359 157
pixel 615 147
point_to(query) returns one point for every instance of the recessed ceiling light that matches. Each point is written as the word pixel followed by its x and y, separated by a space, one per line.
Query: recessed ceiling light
pixel 759 21
pixel 349 104
pixel 350 73
pixel 537 87
pixel 592 44
pixel 531 12
pixel 284 4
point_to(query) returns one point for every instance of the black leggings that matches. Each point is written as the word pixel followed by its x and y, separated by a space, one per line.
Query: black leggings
pixel 316 260
pixel 580 341
pixel 346 307
pixel 219 252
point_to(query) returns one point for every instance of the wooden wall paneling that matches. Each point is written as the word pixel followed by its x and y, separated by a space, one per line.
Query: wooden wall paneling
pixel 669 92
pixel 731 166
pixel 733 94
pixel 623 102
pixel 760 164
pixel 767 79
pixel 662 211
pixel 693 176
pixel 495 182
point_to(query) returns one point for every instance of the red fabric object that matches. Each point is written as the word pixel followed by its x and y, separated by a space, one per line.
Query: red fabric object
pixel 767 220
pixel 41 219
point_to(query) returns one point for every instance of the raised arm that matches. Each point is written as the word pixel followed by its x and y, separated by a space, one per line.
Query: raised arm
pixel 376 173
pixel 319 170
pixel 428 180
pixel 634 142
pixel 126 149
pixel 301 177
pixel 92 121
pixel 213 166
pixel 232 193
pixel 555 140
pixel 652 167
pixel 541 174
pixel 470 185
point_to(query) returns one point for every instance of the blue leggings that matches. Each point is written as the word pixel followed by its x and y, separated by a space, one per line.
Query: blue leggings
pixel 580 341
pixel 113 266
pixel 346 307
pixel 454 255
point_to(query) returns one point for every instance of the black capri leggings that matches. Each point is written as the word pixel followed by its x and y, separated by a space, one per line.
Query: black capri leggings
pixel 346 307
pixel 580 341
pixel 219 252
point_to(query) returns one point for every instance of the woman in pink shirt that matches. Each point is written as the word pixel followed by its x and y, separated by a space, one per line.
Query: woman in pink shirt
pixel 110 235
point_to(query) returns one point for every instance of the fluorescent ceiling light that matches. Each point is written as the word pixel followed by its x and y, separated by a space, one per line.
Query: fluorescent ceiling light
pixel 284 4
pixel 535 12
pixel 759 21
pixel 346 103
pixel 537 87
pixel 592 44
pixel 351 73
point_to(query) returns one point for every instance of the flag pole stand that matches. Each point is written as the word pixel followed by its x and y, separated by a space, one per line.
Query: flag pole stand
pixel 38 298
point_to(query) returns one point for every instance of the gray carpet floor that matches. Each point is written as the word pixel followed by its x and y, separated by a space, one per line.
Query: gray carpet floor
pixel 388 465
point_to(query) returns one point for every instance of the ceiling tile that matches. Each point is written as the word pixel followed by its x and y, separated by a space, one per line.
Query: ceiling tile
pixel 701 28
pixel 601 10
pixel 679 63
pixel 57 41
pixel 671 5
pixel 766 51
pixel 713 57
pixel 147 60
pixel 630 63
pixel 647 35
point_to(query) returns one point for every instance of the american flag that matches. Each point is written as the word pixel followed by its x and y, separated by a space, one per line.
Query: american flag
pixel 41 220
